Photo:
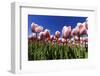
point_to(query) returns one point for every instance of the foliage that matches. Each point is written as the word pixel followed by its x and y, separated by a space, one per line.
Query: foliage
pixel 47 51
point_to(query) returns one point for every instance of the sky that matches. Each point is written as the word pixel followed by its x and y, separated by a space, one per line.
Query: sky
pixel 54 23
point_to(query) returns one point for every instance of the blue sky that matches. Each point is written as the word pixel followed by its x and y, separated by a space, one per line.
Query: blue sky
pixel 54 23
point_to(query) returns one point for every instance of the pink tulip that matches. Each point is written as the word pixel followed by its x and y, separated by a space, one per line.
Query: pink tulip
pixel 79 24
pixel 69 41
pixel 66 31
pixel 79 27
pixel 63 40
pixel 52 37
pixel 57 34
pixel 59 41
pixel 83 29
pixel 72 39
pixel 38 29
pixel 42 35
pixel 76 38
pixel 47 34
pixel 33 26
pixel 74 32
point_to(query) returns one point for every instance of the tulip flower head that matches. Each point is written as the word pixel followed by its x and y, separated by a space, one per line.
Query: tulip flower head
pixel 63 40
pixel 76 38
pixel 33 26
pixel 47 33
pixel 57 34
pixel 66 32
pixel 42 35
pixel 59 40
pixel 52 37
pixel 79 27
pixel 83 29
pixel 38 29
pixel 73 32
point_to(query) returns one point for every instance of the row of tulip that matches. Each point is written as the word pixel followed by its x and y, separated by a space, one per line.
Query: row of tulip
pixel 78 34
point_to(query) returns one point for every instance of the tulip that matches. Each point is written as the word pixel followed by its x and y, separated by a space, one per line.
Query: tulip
pixel 78 29
pixel 42 35
pixel 47 34
pixel 33 26
pixel 63 41
pixel 74 34
pixel 83 30
pixel 66 32
pixel 59 40
pixel 38 29
pixel 52 37
pixel 57 34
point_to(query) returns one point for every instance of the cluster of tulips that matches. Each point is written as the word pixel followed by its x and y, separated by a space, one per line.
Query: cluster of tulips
pixel 70 39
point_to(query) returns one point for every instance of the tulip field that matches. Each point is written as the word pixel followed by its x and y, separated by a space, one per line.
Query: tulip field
pixel 65 42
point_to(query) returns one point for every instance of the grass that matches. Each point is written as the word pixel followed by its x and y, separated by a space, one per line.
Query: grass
pixel 45 51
